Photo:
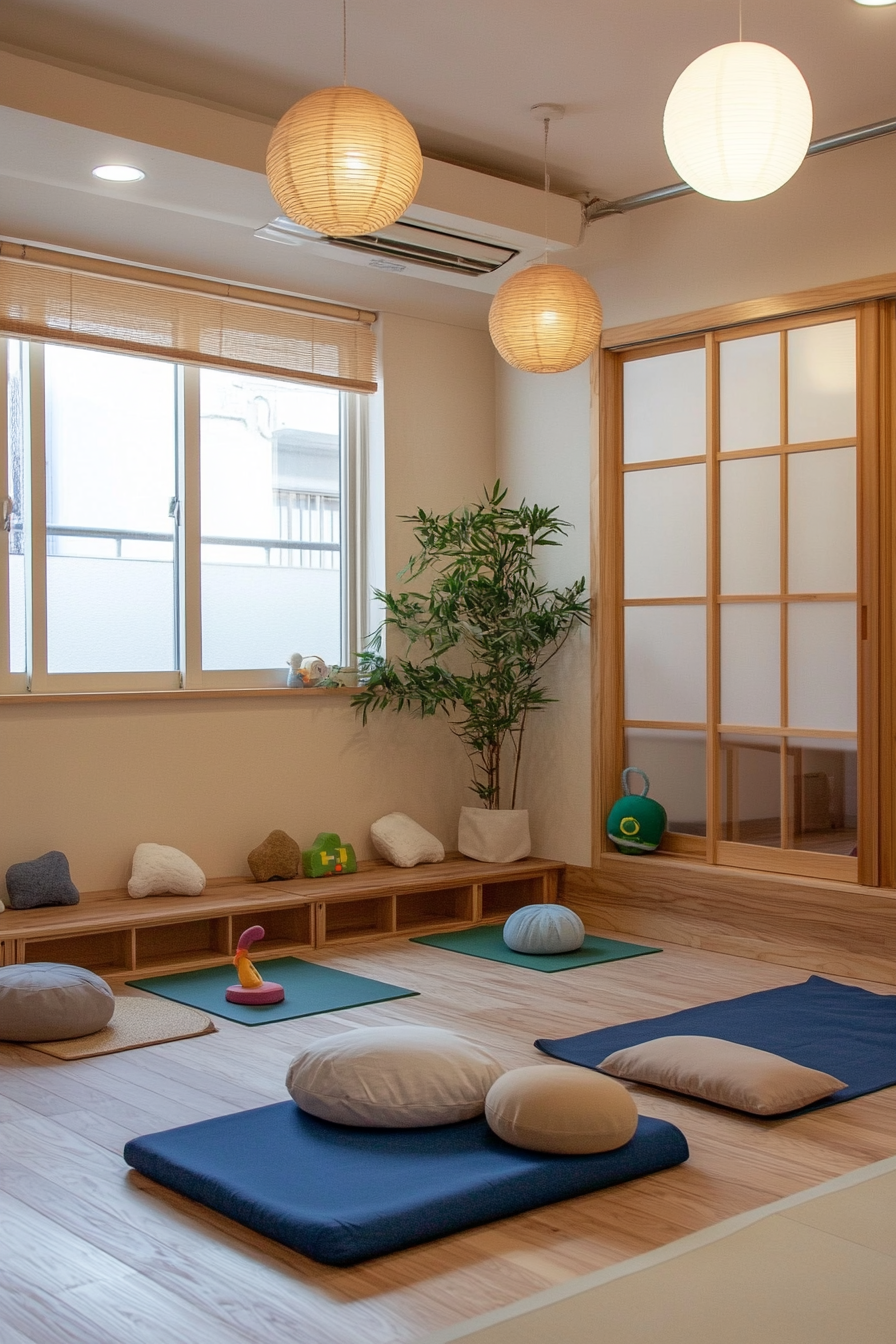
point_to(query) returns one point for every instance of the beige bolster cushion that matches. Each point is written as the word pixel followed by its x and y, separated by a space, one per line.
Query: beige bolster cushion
pixel 558 1108
pixel 732 1075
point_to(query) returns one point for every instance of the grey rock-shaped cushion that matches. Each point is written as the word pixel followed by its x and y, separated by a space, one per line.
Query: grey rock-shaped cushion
pixel 43 881
pixel 541 930
pixel 49 1001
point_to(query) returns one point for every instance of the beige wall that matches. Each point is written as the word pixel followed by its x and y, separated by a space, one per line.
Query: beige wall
pixel 543 438
pixel 213 777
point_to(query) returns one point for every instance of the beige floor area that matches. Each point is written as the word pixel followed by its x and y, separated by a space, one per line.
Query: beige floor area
pixel 818 1268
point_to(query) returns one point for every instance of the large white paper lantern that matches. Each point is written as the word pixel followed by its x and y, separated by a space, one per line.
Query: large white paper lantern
pixel 344 162
pixel 738 121
pixel 545 319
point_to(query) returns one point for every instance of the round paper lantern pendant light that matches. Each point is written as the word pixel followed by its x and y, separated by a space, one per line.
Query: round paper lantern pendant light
pixel 545 319
pixel 738 121
pixel 344 161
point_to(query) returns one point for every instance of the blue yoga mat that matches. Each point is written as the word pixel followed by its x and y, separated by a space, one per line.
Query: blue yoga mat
pixel 342 1194
pixel 842 1030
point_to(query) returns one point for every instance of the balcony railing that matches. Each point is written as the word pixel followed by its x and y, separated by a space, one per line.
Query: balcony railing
pixel 120 535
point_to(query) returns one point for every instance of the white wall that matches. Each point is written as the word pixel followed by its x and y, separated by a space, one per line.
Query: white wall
pixel 543 456
pixel 212 777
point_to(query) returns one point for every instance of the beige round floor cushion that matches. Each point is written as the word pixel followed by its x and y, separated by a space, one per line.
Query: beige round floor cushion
pixel 557 1108
pixel 393 1077
pixel 48 1001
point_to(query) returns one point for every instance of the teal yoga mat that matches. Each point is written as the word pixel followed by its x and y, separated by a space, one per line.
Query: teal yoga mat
pixel 309 989
pixel 487 941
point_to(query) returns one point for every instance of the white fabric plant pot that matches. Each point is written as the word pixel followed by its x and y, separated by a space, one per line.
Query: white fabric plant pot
pixel 498 835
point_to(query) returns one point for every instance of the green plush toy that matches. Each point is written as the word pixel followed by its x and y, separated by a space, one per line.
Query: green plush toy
pixel 328 856
pixel 636 823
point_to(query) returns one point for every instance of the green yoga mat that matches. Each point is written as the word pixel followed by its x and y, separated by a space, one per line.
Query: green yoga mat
pixel 487 941
pixel 309 989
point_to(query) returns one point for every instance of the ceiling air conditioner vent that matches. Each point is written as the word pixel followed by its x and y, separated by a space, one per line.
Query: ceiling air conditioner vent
pixel 405 243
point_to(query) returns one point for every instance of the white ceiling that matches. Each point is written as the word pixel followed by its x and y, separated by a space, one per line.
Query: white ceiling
pixel 465 72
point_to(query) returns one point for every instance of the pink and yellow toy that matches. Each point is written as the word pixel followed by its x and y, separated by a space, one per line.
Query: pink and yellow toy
pixel 251 988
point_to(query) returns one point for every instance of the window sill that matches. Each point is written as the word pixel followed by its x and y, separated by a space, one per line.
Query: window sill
pixel 212 693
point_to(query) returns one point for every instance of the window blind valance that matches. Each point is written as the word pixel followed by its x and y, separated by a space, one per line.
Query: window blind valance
pixel 56 296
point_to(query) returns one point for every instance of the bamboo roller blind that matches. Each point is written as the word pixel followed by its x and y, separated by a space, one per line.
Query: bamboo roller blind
pixel 57 296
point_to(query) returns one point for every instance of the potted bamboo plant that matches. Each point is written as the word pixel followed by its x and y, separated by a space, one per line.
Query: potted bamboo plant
pixel 477 634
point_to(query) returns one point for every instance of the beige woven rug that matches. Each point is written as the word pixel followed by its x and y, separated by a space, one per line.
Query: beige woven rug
pixel 135 1022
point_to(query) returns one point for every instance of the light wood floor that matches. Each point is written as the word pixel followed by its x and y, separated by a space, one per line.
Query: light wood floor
pixel 94 1255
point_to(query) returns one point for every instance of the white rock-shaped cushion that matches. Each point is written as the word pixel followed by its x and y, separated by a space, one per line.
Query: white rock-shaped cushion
pixel 560 1108
pixel 50 1001
pixel 393 1077
pixel 539 930
pixel 160 870
pixel 402 841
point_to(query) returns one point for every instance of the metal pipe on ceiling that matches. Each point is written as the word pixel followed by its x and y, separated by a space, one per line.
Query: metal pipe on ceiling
pixel 600 209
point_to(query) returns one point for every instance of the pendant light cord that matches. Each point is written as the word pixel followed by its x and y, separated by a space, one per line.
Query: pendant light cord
pixel 344 45
pixel 547 187
pixel 740 20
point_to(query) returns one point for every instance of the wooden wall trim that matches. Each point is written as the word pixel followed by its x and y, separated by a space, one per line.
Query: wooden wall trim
pixel 750 310
pixel 834 928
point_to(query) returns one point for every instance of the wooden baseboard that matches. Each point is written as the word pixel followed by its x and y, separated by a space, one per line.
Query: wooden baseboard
pixel 835 928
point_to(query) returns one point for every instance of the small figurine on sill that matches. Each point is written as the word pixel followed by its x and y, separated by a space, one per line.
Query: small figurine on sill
pixel 305 671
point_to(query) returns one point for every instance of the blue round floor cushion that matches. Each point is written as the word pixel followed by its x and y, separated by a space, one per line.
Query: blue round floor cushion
pixel 540 930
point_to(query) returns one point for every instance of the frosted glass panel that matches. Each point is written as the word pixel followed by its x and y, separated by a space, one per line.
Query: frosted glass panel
pixel 750 662
pixel 750 787
pixel 110 480
pixel 665 406
pixel 665 532
pixel 822 784
pixel 19 527
pixel 822 664
pixel 749 516
pixel 750 392
pixel 270 521
pixel 675 764
pixel 821 377
pixel 665 663
pixel 822 521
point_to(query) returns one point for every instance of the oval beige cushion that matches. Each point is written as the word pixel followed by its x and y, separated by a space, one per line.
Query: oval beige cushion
pixel 555 1108
pixel 392 1077
pixel 51 1001
pixel 733 1075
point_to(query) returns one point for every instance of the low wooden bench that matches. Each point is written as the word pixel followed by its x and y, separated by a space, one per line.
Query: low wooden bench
pixel 111 933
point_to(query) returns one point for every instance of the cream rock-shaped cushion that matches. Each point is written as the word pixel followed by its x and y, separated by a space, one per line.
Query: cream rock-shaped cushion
pixel 732 1075
pixel 51 1001
pixel 161 870
pixel 402 841
pixel 560 1108
pixel 392 1077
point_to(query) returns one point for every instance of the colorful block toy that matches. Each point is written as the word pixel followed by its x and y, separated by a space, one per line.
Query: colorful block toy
pixel 328 856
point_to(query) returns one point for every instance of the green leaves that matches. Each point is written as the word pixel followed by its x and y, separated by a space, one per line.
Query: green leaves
pixel 478 638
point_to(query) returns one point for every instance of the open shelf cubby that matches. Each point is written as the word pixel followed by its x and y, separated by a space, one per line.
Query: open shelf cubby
pixel 430 909
pixel 342 920
pixel 500 899
pixel 289 928
pixel 189 942
pixel 103 953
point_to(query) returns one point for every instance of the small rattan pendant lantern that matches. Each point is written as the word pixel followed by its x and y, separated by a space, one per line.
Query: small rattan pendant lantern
pixel 545 319
pixel 343 161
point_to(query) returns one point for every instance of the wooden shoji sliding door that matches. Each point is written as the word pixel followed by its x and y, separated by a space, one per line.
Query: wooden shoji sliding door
pixel 738 591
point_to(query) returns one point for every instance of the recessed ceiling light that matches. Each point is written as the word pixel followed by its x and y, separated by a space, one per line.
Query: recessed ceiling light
pixel 878 4
pixel 120 172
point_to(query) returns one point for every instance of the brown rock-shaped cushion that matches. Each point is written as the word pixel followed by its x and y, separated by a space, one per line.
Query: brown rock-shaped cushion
pixel 276 858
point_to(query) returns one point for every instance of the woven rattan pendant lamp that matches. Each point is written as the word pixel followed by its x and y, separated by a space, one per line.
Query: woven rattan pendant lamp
pixel 545 319
pixel 343 161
